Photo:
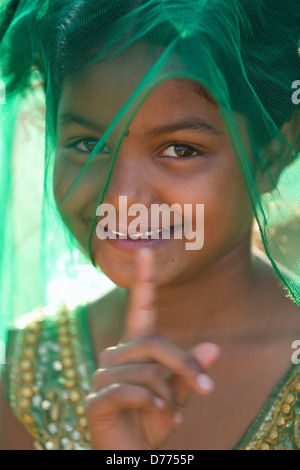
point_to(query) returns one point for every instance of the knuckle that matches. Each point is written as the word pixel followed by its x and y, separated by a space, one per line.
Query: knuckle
pixel 98 377
pixel 115 392
pixel 90 404
pixel 154 342
pixel 111 393
pixel 147 307
pixel 95 402
pixel 106 355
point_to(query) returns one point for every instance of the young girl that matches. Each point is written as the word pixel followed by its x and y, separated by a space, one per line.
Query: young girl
pixel 165 103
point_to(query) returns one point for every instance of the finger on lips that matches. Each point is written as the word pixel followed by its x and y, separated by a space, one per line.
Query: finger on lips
pixel 134 373
pixel 142 308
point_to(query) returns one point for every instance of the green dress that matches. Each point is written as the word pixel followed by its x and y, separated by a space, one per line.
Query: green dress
pixel 50 364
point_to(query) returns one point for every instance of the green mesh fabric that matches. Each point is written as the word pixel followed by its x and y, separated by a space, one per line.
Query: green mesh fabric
pixel 242 54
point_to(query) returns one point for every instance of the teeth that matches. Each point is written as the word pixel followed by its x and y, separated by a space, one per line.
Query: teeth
pixel 118 233
pixel 139 235
pixel 148 234
pixel 153 231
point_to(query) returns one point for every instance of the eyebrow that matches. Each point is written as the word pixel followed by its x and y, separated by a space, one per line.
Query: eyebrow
pixel 192 123
pixel 70 118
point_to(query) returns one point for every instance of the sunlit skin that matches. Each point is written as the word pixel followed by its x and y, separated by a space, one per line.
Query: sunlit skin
pixel 218 311
pixel 221 293
pixel 146 174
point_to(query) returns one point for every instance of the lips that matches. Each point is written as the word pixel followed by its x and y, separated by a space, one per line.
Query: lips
pixel 143 233
pixel 123 242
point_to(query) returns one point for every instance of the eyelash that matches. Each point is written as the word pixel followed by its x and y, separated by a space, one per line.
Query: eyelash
pixel 174 144
pixel 199 153
pixel 80 141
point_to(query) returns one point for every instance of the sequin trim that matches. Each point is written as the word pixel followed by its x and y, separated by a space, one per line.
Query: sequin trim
pixel 49 377
pixel 49 380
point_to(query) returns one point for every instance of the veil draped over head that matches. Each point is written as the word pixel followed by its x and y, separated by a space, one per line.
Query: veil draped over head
pixel 243 53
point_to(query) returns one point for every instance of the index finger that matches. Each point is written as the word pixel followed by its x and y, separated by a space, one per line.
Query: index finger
pixel 142 309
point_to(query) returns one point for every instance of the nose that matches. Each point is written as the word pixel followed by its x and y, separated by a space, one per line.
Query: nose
pixel 132 177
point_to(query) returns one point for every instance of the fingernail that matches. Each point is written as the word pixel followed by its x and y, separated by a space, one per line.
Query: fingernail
pixel 158 402
pixel 178 418
pixel 203 349
pixel 204 383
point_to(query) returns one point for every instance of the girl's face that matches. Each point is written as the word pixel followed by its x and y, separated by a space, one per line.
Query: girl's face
pixel 178 151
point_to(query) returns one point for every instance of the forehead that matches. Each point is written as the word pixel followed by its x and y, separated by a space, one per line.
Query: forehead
pixel 103 88
pixel 111 82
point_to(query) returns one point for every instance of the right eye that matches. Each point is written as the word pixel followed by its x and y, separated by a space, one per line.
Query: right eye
pixel 87 146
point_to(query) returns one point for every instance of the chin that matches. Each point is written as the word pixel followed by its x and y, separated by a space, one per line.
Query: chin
pixel 120 273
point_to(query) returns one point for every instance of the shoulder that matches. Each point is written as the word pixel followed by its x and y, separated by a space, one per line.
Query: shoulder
pixel 30 340
pixel 26 341
pixel 47 377
pixel 274 293
pixel 279 427
pixel 30 330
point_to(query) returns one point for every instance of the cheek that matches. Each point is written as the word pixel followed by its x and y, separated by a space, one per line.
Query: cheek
pixel 76 190
pixel 228 212
pixel 76 198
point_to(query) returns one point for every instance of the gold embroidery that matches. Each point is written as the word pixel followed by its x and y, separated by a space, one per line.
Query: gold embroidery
pixel 25 371
pixel 280 418
pixel 67 336
pixel 51 407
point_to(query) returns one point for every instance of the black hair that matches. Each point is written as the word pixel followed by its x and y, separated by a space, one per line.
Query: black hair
pixel 64 39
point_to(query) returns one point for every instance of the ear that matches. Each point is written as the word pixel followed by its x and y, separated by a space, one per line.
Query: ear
pixel 280 153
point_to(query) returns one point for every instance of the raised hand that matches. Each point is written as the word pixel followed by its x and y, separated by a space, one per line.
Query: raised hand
pixel 145 381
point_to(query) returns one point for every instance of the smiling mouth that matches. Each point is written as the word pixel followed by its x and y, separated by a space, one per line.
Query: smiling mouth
pixel 153 234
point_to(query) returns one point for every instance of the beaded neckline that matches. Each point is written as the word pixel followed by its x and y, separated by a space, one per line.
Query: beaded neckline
pixel 51 363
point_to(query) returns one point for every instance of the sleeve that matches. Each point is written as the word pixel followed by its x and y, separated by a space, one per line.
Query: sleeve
pixel 42 387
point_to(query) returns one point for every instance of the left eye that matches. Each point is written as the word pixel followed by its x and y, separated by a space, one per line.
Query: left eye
pixel 181 151
pixel 88 145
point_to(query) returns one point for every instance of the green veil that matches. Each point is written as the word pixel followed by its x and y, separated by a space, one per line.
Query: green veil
pixel 244 53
